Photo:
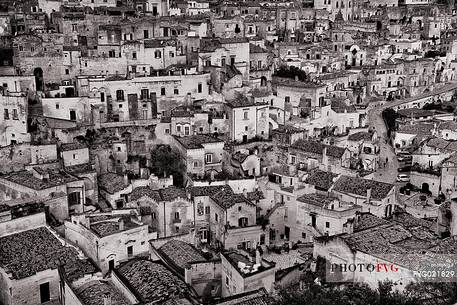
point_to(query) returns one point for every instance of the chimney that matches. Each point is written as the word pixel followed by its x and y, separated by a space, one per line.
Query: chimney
pixel 121 224
pixel 107 298
pixel 324 156
pixel 368 195
pixel 258 255
pixel 126 179
pixel 453 224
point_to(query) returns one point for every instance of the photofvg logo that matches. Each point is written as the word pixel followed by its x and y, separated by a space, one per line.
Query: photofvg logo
pixel 360 271
pixel 401 268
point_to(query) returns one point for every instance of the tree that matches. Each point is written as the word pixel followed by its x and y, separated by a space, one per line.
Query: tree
pixel 291 72
pixel 165 161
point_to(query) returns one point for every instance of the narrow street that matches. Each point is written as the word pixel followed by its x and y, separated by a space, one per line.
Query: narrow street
pixel 389 173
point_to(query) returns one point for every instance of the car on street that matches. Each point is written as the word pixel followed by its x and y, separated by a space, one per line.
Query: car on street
pixel 405 158
pixel 404 169
pixel 402 178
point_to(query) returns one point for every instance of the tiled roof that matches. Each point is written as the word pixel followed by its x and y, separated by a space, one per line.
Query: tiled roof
pixel 172 193
pixel 109 227
pixel 334 75
pixel 320 179
pixel 141 191
pixel 197 191
pixel 359 186
pixel 152 281
pixel 318 147
pixel 253 48
pixel 197 141
pixel 226 198
pixel 414 112
pixel 419 129
pixel 112 182
pixel 368 220
pixel 72 146
pixel 256 297
pixel 180 253
pixel 27 179
pixel 80 168
pixel 243 101
pixel 318 200
pixel 408 221
pixel 287 130
pixel 91 293
pixel 449 125
pixel 26 253
pixel 437 143
pixel 361 135
pixel 233 40
pixel 255 195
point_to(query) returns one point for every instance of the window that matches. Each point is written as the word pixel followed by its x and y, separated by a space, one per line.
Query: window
pixel 178 128
pixel 195 163
pixel 57 106
pixel 162 91
pixel 75 157
pixel 176 91
pixel 327 224
pixel 167 131
pixel 134 55
pixel 293 159
pixel 146 34
pixel 67 71
pixel 153 215
pixel 111 53
pixel 144 94
pixel 6 114
pixel 176 215
pixel 186 130
pixel 120 95
pixel 226 280
pixel 207 210
pixel 246 115
pixel 21 48
pixel 209 158
pixel 130 251
pixel 303 235
pixel 216 217
pixel 200 88
pixel 287 99
pixel 158 54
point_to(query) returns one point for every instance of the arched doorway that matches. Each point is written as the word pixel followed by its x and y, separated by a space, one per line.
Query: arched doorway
pixel 39 82
pixel 263 81
pixel 425 188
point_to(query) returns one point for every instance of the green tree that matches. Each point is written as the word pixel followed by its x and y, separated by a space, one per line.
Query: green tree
pixel 165 161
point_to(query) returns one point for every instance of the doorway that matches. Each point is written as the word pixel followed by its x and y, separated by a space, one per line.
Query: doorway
pixel 39 83
pixel 72 115
pixel 287 232
pixel 45 295
pixel 111 264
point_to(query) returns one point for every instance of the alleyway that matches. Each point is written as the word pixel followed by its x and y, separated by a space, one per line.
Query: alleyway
pixel 388 173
